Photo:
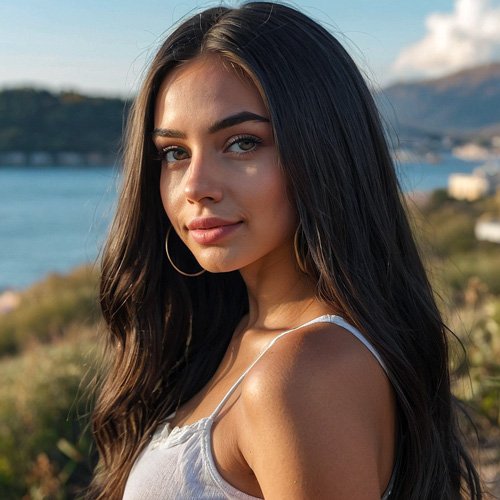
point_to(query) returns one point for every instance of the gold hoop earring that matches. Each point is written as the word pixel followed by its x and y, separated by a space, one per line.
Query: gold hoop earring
pixel 173 265
pixel 297 248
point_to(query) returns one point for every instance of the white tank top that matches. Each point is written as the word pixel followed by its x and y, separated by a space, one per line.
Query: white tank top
pixel 178 463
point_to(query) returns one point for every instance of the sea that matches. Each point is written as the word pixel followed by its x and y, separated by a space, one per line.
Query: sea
pixel 55 218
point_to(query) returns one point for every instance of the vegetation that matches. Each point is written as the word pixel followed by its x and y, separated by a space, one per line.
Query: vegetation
pixel 34 120
pixel 48 354
pixel 44 444
pixel 49 310
pixel 466 277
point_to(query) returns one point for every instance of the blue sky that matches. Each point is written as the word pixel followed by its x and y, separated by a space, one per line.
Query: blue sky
pixel 101 47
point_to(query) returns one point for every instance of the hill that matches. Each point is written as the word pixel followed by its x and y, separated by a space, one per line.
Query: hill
pixel 39 125
pixel 464 103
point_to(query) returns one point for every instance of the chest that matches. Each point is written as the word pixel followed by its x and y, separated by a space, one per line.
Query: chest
pixel 221 391
pixel 214 413
pixel 179 463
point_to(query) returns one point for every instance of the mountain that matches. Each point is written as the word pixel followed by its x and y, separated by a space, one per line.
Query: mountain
pixel 39 127
pixel 467 102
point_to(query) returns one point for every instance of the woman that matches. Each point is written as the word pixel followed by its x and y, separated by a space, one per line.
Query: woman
pixel 288 344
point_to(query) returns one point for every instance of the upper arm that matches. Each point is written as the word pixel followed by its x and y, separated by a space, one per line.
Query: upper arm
pixel 317 412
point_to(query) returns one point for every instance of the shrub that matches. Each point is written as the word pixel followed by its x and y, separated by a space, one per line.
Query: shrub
pixel 51 308
pixel 44 447
pixel 458 270
pixel 477 324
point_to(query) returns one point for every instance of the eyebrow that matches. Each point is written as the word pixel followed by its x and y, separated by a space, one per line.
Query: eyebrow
pixel 229 121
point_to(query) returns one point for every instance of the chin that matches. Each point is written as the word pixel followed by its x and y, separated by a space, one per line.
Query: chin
pixel 217 261
pixel 219 268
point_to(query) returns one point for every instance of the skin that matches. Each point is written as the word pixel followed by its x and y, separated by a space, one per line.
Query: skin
pixel 315 418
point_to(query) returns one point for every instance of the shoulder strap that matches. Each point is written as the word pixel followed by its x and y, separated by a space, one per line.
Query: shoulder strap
pixel 242 376
pixel 354 331
pixel 327 318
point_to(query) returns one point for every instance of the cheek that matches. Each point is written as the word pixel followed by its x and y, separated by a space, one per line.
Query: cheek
pixel 274 203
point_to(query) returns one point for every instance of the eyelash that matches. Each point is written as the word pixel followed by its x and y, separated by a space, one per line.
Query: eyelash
pixel 244 138
pixel 161 154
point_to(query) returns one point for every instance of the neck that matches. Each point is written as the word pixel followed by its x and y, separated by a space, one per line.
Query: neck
pixel 279 294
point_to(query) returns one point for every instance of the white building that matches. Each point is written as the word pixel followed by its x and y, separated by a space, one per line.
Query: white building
pixel 467 186
pixel 488 230
pixel 483 181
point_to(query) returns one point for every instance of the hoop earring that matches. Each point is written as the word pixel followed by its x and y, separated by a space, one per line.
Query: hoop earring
pixel 173 265
pixel 297 248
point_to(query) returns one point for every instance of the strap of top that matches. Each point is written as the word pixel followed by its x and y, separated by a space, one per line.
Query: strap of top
pixel 327 318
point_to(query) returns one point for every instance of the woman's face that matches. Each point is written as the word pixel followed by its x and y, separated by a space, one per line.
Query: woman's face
pixel 221 185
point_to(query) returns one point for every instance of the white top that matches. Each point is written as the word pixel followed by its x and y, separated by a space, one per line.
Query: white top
pixel 178 463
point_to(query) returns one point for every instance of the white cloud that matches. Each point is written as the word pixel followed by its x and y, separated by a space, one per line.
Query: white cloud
pixel 468 36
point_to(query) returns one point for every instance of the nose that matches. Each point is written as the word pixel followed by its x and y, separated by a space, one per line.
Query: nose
pixel 203 181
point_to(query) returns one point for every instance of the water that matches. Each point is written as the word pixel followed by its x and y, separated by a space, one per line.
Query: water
pixel 52 219
pixel 427 177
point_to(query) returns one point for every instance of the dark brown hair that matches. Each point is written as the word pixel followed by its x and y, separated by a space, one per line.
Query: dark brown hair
pixel 168 333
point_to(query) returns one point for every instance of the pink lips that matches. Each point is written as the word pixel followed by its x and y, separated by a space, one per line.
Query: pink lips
pixel 209 230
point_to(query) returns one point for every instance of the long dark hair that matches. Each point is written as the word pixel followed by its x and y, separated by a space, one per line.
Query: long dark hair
pixel 168 333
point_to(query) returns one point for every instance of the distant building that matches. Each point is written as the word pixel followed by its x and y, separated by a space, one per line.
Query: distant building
pixel 488 230
pixel 483 181
pixel 467 187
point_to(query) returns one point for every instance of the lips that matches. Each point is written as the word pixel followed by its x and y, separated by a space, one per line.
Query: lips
pixel 210 230
pixel 209 223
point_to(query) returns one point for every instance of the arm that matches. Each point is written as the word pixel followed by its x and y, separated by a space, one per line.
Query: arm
pixel 318 418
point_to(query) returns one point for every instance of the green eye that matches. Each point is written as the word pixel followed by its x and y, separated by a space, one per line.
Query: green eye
pixel 243 144
pixel 246 145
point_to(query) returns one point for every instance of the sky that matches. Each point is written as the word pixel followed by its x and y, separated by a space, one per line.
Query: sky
pixel 102 47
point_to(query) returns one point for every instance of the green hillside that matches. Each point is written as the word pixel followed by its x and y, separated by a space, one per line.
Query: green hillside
pixel 38 121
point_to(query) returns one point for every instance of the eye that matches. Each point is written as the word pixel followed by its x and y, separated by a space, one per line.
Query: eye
pixel 243 144
pixel 171 154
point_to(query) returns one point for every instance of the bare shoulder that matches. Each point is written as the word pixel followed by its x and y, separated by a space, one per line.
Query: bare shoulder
pixel 320 358
pixel 317 394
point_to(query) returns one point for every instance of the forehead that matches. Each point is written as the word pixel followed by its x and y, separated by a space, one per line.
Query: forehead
pixel 206 85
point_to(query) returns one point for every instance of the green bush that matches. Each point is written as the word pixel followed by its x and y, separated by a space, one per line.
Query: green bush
pixel 478 325
pixel 448 231
pixel 44 447
pixel 458 270
pixel 49 309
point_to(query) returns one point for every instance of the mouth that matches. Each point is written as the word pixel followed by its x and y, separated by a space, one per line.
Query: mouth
pixel 205 223
pixel 210 230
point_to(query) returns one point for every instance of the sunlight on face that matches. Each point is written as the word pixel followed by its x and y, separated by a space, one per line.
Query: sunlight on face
pixel 221 184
